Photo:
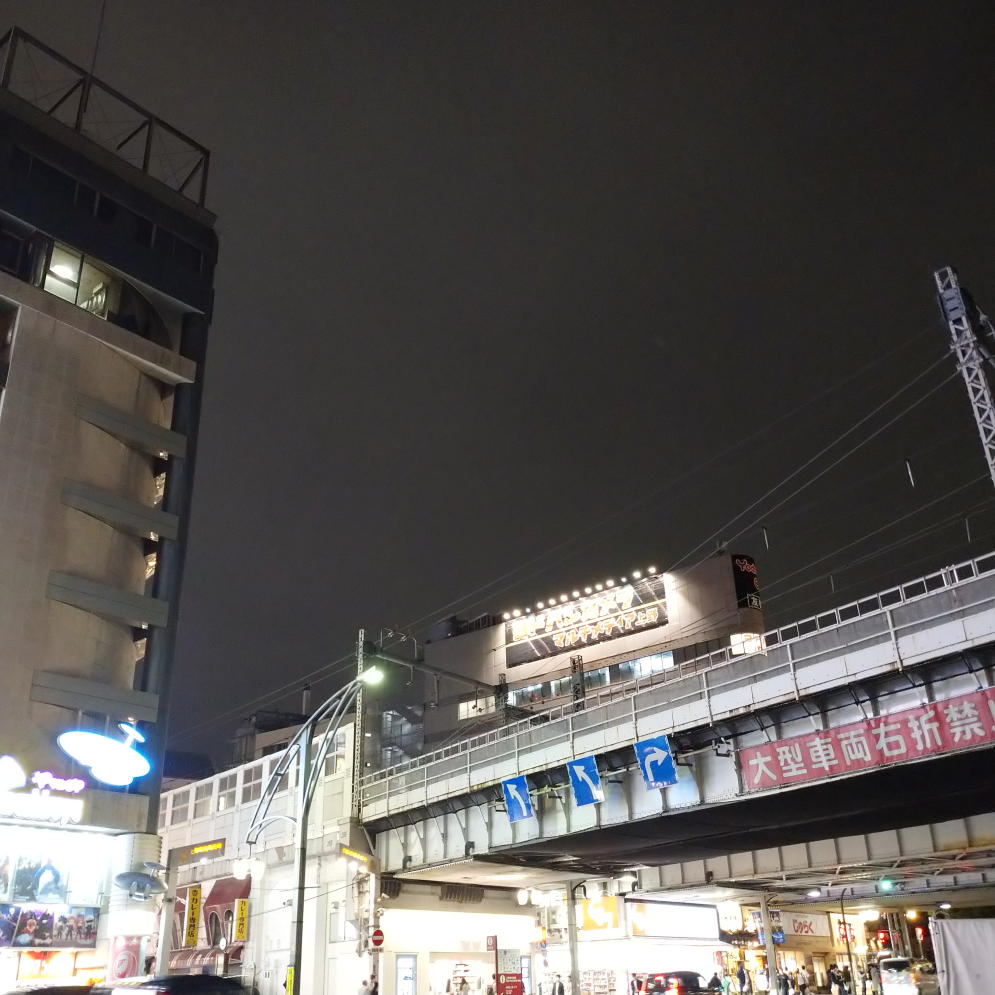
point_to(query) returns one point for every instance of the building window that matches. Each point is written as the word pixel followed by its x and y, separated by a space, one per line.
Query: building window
pixel 596 678
pixel 163 808
pixel 181 807
pixel 226 792
pixel 335 761
pixel 202 799
pixel 62 278
pixel 475 707
pixel 252 784
pixel 284 781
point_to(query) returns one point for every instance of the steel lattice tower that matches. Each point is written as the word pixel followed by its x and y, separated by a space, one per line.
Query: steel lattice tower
pixel 965 321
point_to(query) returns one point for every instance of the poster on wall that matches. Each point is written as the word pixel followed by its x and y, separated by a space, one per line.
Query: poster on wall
pixel 7 864
pixel 9 916
pixel 40 878
pixel 35 927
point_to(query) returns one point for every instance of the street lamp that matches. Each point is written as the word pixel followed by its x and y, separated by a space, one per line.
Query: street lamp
pixel 332 711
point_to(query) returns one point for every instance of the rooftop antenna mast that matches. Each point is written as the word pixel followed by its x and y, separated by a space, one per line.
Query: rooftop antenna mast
pixel 967 325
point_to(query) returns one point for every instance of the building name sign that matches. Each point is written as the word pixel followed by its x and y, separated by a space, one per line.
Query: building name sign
pixel 910 734
pixel 628 608
pixel 39 804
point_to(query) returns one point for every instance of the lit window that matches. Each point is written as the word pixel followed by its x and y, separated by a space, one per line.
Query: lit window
pixel 181 807
pixel 62 278
pixel 202 799
pixel 226 792
pixel 94 290
pixel 252 784
pixel 475 707
pixel 743 643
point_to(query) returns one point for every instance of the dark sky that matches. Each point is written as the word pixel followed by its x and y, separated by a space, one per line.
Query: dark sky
pixel 499 278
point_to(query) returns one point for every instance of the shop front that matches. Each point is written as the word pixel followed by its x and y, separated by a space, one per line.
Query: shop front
pixel 52 925
pixel 802 938
pixel 448 952
pixel 620 942
pixel 210 926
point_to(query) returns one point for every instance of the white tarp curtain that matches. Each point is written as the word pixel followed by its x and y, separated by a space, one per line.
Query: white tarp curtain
pixel 965 955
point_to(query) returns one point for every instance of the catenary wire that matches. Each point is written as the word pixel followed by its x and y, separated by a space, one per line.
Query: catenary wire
pixel 817 456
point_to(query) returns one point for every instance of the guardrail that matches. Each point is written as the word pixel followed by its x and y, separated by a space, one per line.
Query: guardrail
pixel 374 786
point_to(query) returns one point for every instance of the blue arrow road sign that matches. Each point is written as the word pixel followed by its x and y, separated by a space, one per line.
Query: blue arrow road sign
pixel 586 781
pixel 656 762
pixel 517 801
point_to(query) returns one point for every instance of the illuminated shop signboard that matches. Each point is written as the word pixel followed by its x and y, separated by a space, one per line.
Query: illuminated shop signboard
pixel 627 608
pixel 747 581
pixel 32 800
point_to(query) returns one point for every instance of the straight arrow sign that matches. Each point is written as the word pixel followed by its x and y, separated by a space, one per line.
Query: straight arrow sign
pixel 517 800
pixel 585 781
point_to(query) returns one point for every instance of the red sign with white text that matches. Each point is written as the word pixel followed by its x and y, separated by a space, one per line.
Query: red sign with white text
pixel 913 733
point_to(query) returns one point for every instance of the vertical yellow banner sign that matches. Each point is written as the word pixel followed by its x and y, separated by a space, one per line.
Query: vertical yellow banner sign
pixel 242 919
pixel 193 916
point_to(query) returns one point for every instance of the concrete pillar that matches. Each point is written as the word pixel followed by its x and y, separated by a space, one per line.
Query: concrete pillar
pixel 131 922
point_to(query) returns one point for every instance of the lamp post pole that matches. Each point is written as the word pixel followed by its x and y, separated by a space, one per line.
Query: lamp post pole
pixel 309 769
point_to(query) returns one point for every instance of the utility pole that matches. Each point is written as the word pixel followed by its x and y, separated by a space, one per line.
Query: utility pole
pixel 768 929
pixel 965 323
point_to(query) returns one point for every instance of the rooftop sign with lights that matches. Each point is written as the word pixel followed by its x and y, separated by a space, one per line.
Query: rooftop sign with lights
pixel 629 607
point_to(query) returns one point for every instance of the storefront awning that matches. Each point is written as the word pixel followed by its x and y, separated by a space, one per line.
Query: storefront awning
pixel 227 891
pixel 197 957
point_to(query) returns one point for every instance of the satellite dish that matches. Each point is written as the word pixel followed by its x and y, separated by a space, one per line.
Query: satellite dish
pixel 140 886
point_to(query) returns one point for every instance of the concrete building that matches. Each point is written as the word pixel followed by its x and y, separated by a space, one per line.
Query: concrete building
pixel 107 256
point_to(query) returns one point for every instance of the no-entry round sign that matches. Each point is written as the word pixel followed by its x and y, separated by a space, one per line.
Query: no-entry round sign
pixel 376 937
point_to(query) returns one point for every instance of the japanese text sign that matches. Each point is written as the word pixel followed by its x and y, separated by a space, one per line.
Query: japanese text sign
pixel 910 734
pixel 640 604
pixel 193 916
pixel 241 919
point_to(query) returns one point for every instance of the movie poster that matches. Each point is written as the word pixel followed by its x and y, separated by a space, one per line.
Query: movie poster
pixel 9 916
pixel 40 878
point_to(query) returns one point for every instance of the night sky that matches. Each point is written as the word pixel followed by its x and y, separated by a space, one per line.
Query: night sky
pixel 531 294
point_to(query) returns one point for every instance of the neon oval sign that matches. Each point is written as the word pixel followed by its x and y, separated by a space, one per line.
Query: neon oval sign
pixel 110 760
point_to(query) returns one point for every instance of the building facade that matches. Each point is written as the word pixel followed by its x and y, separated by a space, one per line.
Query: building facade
pixel 107 257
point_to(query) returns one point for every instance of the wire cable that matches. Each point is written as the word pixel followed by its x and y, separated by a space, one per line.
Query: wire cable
pixel 812 459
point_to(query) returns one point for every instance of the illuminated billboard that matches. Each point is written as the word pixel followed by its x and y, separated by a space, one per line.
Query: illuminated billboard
pixel 630 607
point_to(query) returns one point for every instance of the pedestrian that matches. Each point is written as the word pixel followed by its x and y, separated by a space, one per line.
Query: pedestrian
pixel 741 977
pixel 783 983
pixel 491 990
pixel 802 980
pixel 364 988
pixel 464 987
pixel 726 983
pixel 763 982
pixel 558 988
pixel 374 986
pixel 714 983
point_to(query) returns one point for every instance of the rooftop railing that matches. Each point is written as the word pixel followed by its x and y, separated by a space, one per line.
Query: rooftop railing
pixel 67 93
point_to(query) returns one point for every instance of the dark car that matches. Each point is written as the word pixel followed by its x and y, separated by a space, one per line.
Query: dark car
pixel 51 990
pixel 675 983
pixel 180 984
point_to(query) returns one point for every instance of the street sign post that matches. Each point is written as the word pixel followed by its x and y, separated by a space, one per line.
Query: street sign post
pixel 586 781
pixel 376 938
pixel 656 762
pixel 517 801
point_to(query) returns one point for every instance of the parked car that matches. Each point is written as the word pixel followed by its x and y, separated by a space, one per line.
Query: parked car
pixel 675 983
pixel 179 984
